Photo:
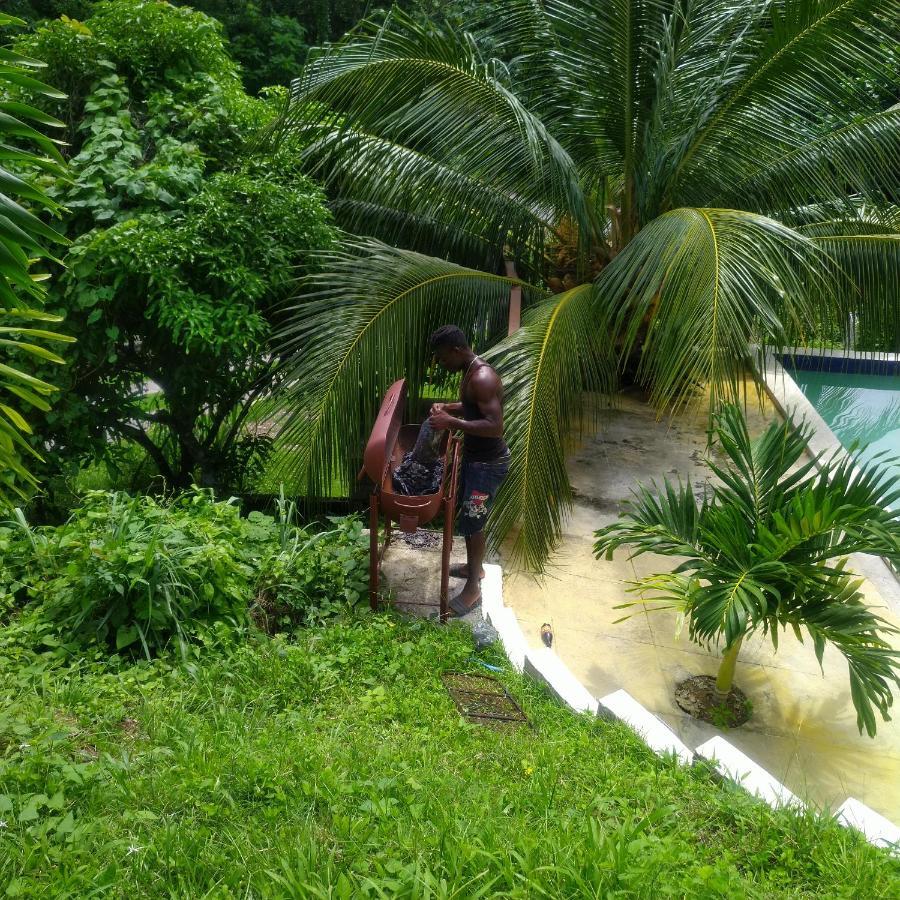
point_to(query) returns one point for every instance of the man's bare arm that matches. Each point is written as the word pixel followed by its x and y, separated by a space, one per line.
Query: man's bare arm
pixel 485 387
pixel 452 408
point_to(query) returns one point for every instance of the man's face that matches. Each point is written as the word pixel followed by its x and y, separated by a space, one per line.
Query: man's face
pixel 449 358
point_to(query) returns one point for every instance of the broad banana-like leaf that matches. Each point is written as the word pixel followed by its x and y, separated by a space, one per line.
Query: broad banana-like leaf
pixel 23 239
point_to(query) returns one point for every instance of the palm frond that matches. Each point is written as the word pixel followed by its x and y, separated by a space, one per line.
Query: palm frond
pixel 754 480
pixel 851 505
pixel 23 239
pixel 589 69
pixel 547 366
pixel 442 206
pixel 861 157
pixel 604 53
pixel 698 286
pixel 872 263
pixel 657 519
pixel 447 119
pixel 834 612
pixel 847 216
pixel 362 323
pixel 798 65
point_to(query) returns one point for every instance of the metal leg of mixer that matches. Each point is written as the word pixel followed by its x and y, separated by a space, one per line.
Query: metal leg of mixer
pixel 449 522
pixel 446 545
pixel 373 553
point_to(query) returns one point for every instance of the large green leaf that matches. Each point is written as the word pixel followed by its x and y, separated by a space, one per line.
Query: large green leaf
pixel 819 165
pixel 22 239
pixel 546 397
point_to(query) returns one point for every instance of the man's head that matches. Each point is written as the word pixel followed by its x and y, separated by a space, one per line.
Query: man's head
pixel 450 348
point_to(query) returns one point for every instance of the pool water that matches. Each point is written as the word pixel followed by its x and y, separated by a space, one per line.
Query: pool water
pixel 860 409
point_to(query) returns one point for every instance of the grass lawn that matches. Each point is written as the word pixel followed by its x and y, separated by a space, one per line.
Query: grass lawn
pixel 334 764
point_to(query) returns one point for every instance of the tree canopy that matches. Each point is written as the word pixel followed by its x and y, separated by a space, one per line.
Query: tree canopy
pixel 182 248
pixel 721 174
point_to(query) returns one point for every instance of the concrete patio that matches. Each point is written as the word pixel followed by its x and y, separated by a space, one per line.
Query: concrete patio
pixel 803 729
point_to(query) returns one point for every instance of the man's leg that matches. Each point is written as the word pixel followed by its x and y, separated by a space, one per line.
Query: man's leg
pixel 475 544
pixel 473 516
pixel 462 569
pixel 479 488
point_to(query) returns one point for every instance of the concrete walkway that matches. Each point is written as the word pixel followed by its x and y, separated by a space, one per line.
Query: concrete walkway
pixel 803 728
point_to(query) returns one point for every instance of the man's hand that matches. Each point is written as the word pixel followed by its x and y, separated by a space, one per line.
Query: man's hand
pixel 441 419
pixel 437 408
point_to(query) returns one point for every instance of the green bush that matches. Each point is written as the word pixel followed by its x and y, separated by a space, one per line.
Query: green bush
pixel 311 577
pixel 138 573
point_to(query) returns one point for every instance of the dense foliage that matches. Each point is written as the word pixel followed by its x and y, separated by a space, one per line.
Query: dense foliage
pixel 24 239
pixel 768 550
pixel 678 182
pixel 137 573
pixel 183 245
pixel 335 765
pixel 269 39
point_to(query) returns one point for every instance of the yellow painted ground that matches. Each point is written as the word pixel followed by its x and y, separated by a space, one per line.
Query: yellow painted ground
pixel 803 728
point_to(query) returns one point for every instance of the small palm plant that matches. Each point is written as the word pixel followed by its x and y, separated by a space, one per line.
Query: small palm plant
pixel 766 549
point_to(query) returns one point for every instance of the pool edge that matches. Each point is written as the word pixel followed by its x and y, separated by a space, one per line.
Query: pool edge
pixel 793 404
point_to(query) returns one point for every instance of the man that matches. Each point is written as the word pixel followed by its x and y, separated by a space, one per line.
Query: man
pixel 485 459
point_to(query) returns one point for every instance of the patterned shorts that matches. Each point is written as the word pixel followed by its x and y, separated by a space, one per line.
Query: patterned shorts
pixel 478 486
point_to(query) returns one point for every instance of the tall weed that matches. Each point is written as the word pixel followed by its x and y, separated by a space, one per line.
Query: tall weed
pixel 138 573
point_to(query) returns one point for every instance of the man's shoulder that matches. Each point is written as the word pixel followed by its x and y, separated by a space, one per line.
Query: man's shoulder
pixel 486 376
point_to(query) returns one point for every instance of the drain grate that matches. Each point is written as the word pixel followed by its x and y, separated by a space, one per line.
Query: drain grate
pixel 484 700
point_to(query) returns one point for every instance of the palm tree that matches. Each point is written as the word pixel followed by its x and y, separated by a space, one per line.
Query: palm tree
pixel 21 241
pixel 712 174
pixel 768 550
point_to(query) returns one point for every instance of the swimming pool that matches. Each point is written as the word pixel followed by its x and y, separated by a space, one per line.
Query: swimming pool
pixel 860 407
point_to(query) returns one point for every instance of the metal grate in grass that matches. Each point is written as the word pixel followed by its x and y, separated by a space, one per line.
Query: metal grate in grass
pixel 482 699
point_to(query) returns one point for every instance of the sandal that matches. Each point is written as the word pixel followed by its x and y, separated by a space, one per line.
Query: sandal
pixel 458 571
pixel 461 609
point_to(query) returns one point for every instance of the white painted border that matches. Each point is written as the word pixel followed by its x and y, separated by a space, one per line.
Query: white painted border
pixel 736 766
pixel 544 665
pixel 620 706
pixel 877 829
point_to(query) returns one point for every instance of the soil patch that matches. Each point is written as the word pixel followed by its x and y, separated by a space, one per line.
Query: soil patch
pixel 698 697
pixel 419 539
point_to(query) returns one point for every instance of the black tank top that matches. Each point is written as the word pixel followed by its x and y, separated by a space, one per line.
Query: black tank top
pixel 476 448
